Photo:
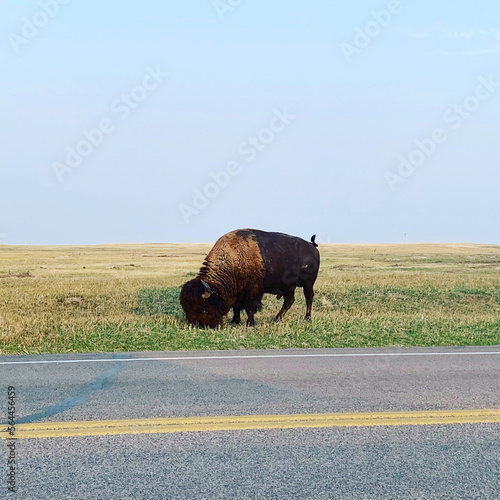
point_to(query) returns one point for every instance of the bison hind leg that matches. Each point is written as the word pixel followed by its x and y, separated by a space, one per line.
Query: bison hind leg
pixel 309 295
pixel 287 303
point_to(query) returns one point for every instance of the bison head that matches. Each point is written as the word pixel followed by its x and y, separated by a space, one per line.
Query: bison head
pixel 201 304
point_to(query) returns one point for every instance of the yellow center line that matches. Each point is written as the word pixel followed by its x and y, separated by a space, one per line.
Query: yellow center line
pixel 247 422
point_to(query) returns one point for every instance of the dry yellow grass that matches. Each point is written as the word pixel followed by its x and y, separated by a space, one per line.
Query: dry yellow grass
pixel 125 297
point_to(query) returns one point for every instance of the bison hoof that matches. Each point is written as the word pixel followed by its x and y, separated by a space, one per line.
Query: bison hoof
pixel 308 318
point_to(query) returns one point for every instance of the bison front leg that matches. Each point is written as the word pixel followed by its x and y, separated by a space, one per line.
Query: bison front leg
pixel 236 316
pixel 251 307
pixel 287 303
pixel 250 319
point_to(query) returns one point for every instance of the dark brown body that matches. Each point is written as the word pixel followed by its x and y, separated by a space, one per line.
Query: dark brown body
pixel 241 267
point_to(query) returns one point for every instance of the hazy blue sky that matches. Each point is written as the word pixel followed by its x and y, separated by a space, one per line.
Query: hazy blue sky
pixel 358 121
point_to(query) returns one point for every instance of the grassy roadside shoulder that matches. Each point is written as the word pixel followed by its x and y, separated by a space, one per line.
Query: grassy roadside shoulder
pixel 125 298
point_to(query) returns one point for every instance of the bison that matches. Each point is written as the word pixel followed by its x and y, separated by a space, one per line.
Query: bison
pixel 241 267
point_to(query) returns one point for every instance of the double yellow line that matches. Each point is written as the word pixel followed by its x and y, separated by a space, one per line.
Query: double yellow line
pixel 246 422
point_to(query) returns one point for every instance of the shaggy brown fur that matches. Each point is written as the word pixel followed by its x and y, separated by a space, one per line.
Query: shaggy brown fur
pixel 234 270
pixel 235 265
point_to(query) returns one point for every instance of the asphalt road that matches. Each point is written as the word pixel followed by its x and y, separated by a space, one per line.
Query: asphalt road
pixel 403 461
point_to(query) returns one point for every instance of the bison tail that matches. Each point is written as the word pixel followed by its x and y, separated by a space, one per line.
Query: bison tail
pixel 313 237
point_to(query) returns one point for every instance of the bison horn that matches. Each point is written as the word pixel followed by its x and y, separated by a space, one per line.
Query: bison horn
pixel 208 290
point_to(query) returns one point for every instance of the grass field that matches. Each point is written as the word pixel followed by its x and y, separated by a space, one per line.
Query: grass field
pixel 125 298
